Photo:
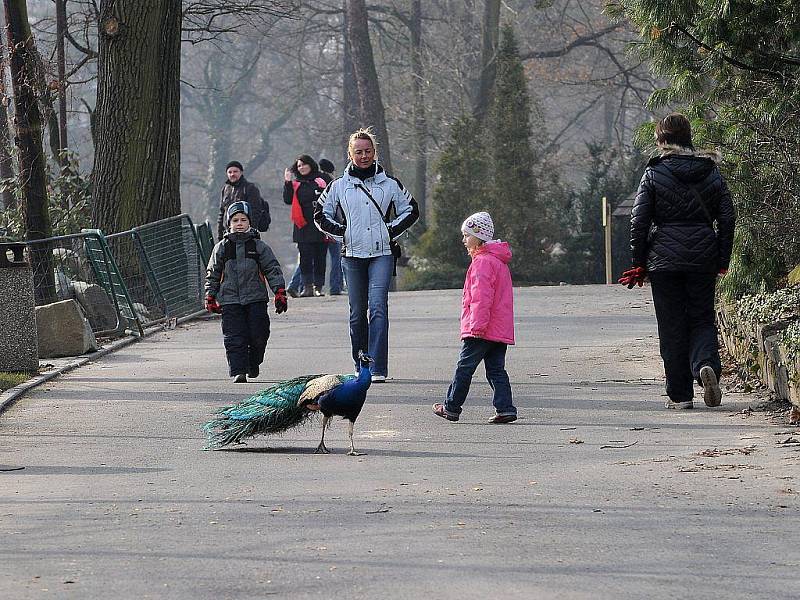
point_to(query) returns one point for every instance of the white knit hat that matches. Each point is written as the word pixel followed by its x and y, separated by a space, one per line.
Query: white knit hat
pixel 480 225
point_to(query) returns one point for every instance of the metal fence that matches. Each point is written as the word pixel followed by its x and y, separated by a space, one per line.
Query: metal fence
pixel 127 280
pixel 163 266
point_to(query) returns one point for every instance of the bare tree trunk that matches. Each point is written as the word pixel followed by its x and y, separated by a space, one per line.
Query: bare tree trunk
pixel 9 200
pixel 420 115
pixel 350 108
pixel 28 124
pixel 137 156
pixel 370 104
pixel 61 26
pixel 491 35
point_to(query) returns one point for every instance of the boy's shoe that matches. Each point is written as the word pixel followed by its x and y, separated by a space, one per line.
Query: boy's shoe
pixel 292 292
pixel 318 291
pixel 253 373
pixel 712 394
pixel 379 379
pixel 503 419
pixel 686 404
pixel 240 378
pixel 439 411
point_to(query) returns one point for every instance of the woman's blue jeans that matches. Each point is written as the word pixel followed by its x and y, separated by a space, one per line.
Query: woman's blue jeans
pixel 368 282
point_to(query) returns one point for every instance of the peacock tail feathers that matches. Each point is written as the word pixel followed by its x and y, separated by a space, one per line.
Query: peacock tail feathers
pixel 271 411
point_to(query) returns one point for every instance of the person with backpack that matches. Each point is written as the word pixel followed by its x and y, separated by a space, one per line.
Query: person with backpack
pixel 239 271
pixel 239 189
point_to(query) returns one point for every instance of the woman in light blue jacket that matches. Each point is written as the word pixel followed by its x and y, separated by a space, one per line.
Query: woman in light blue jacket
pixel 366 209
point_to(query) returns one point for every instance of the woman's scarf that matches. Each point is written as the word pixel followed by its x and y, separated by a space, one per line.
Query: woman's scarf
pixel 297 216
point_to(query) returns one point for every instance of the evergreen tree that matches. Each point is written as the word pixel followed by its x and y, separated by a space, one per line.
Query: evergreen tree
pixel 735 67
pixel 520 177
pixel 461 189
pixel 616 178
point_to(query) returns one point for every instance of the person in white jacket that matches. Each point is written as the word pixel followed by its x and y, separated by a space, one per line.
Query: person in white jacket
pixel 366 209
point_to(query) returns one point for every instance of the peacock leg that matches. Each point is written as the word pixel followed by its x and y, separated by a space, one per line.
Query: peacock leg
pixel 321 449
pixel 350 435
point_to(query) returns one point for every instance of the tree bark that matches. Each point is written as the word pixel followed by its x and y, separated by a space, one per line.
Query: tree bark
pixel 371 113
pixel 350 108
pixel 28 124
pixel 137 155
pixel 61 27
pixel 9 200
pixel 491 35
pixel 420 115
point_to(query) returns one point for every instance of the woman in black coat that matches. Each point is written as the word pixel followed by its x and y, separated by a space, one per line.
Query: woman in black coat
pixel 303 183
pixel 682 225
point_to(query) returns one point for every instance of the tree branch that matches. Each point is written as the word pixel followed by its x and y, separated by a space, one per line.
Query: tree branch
pixel 583 40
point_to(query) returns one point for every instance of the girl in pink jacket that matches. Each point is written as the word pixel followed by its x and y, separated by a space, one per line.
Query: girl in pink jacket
pixel 487 321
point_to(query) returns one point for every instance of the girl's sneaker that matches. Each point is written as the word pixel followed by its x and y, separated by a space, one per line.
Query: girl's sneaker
pixel 685 405
pixel 439 411
pixel 503 419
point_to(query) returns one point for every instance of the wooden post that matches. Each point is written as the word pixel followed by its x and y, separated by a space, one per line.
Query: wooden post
pixel 607 236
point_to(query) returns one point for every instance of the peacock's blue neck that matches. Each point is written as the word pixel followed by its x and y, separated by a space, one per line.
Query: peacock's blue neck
pixel 364 375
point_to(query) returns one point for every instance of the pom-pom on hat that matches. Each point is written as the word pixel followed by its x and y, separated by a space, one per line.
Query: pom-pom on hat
pixel 234 163
pixel 235 208
pixel 480 225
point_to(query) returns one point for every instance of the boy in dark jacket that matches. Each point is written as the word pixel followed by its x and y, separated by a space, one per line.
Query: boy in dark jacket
pixel 239 270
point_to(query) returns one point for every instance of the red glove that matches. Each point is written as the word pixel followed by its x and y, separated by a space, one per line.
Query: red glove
pixel 212 305
pixel 281 303
pixel 632 277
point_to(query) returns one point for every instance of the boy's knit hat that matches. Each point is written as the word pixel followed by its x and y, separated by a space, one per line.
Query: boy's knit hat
pixel 235 208
pixel 480 225
pixel 326 165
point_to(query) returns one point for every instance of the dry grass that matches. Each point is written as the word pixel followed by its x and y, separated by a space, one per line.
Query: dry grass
pixel 9 380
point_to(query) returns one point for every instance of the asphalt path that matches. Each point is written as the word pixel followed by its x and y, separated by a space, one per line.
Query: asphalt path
pixel 596 491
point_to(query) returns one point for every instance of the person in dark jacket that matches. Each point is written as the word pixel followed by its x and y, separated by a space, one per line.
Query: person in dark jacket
pixel 682 225
pixel 303 184
pixel 336 277
pixel 239 271
pixel 238 189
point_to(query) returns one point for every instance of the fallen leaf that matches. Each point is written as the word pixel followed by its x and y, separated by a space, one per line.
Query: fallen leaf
pixel 575 441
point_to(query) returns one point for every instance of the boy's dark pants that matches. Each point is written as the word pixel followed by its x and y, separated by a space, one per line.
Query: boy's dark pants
pixel 687 333
pixel 493 355
pixel 245 328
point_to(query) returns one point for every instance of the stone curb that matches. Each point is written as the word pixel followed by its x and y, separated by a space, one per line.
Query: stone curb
pixel 11 395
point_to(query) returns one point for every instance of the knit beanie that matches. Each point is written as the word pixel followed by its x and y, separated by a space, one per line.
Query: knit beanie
pixel 326 165
pixel 480 225
pixel 235 208
pixel 234 163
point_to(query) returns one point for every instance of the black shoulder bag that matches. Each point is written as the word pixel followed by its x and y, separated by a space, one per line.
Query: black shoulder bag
pixel 394 246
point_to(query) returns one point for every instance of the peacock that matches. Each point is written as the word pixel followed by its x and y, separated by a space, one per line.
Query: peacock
pixel 291 403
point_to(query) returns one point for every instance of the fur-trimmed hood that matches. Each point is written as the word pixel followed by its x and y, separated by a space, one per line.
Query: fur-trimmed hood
pixel 675 150
pixel 685 164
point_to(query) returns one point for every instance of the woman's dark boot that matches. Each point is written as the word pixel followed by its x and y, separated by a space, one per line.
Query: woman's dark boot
pixel 307 292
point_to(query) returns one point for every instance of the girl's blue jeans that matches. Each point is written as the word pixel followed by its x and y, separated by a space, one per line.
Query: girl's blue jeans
pixel 493 355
